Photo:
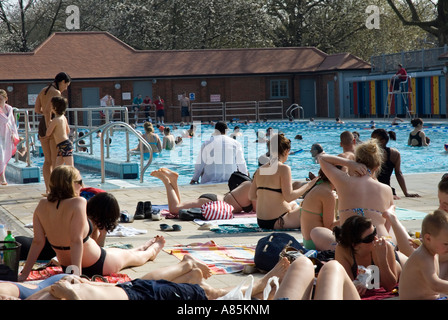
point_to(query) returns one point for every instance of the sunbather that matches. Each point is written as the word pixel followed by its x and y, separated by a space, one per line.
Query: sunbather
pixel 61 218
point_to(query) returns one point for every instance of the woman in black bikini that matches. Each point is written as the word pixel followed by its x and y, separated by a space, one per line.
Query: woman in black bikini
pixel 238 197
pixel 417 137
pixel 392 162
pixel 61 219
pixel 273 190
pixel 358 246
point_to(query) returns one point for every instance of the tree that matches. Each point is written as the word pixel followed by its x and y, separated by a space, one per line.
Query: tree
pixel 27 23
pixel 431 16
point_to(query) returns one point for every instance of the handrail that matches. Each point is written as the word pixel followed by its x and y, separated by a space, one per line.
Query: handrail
pixel 293 107
pixel 105 129
pixel 27 140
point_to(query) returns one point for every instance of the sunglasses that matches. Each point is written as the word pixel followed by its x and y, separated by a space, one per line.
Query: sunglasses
pixel 370 237
pixel 78 182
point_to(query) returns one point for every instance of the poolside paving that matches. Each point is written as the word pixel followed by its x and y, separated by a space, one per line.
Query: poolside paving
pixel 17 203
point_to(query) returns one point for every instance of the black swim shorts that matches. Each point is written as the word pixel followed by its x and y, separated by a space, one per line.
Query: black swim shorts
pixel 139 289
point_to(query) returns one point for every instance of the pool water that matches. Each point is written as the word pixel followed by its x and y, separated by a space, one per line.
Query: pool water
pixel 413 159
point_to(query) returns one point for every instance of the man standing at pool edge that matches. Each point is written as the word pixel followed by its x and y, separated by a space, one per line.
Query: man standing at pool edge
pixel 219 157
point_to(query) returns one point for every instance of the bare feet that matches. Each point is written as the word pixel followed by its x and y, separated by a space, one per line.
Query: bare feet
pixel 156 246
pixel 279 271
pixel 206 271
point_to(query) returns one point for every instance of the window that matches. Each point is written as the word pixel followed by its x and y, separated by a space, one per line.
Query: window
pixel 279 89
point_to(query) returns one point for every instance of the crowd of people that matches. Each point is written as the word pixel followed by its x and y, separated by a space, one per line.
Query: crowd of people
pixel 348 209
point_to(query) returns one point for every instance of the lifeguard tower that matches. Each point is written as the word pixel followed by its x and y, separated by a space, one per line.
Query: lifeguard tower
pixel 396 90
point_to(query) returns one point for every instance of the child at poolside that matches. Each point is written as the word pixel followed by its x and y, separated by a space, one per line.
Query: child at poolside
pixel 60 130
pixel 420 278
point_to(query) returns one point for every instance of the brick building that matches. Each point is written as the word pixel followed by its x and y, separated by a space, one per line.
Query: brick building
pixel 101 64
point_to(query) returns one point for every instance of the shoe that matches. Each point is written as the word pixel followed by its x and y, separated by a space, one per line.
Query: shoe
pixel 155 215
pixel 147 209
pixel 139 211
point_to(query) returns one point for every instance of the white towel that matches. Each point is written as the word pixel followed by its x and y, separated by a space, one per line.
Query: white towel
pixel 121 231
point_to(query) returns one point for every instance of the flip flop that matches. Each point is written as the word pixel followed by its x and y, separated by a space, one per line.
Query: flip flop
pixel 176 227
pixel 165 227
pixel 4 183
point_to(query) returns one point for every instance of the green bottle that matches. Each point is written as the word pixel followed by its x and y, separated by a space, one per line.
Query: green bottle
pixel 9 255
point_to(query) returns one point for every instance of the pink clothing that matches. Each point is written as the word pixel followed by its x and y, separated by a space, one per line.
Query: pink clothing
pixel 9 137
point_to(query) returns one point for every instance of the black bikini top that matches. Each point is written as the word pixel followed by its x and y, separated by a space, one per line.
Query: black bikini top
pixel 271 189
pixel 83 241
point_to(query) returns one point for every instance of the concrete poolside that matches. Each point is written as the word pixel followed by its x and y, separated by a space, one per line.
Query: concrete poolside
pixel 17 203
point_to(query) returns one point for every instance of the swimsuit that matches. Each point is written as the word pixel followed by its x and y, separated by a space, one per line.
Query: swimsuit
pixel 386 170
pixel 97 267
pixel 270 189
pixel 209 196
pixel 309 244
pixel 248 208
pixel 360 211
pixel 140 289
pixel 25 292
pixel 65 149
pixel 416 137
pixel 269 224
pixel 317 214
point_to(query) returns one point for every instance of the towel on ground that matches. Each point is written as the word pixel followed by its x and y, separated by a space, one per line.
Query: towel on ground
pixel 122 231
pixel 220 259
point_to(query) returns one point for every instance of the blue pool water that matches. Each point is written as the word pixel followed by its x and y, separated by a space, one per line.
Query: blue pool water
pixel 414 159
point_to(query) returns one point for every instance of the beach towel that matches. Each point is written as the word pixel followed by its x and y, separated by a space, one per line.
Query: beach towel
pixel 122 231
pixel 220 259
pixel 408 214
pixel 47 272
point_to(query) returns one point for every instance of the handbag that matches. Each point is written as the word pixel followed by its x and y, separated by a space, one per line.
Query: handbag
pixel 268 249
pixel 237 178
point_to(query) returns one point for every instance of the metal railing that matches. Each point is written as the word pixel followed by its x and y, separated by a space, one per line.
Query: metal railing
pixel 423 59
pixel 223 111
pixel 105 141
pixel 292 108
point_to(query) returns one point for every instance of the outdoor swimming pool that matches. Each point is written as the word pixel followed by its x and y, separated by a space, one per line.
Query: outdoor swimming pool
pixel 414 159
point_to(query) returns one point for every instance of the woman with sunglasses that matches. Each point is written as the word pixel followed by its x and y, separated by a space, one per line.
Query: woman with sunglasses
pixel 358 245
pixel 61 219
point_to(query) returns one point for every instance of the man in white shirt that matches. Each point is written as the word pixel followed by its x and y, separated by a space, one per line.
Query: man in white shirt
pixel 219 158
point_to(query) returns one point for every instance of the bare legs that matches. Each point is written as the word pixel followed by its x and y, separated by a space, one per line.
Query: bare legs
pixel 169 179
pixel 118 259
pixel 333 283
pixel 50 154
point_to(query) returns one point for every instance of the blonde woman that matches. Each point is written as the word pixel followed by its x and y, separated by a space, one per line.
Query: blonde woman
pixel 359 192
pixel 62 219
pixel 152 138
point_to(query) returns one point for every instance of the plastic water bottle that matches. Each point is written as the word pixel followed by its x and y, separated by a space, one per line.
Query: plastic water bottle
pixel 8 255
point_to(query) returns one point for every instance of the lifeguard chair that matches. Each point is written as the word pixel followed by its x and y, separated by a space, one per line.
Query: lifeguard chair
pixel 404 90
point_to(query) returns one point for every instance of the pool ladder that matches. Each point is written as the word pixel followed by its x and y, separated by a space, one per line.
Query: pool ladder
pixel 105 129
pixel 292 108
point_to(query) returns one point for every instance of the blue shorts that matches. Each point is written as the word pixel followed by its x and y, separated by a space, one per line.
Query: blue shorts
pixel 139 289
pixel 184 112
pixel 160 113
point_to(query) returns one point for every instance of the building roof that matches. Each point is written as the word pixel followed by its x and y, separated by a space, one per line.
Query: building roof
pixel 100 55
